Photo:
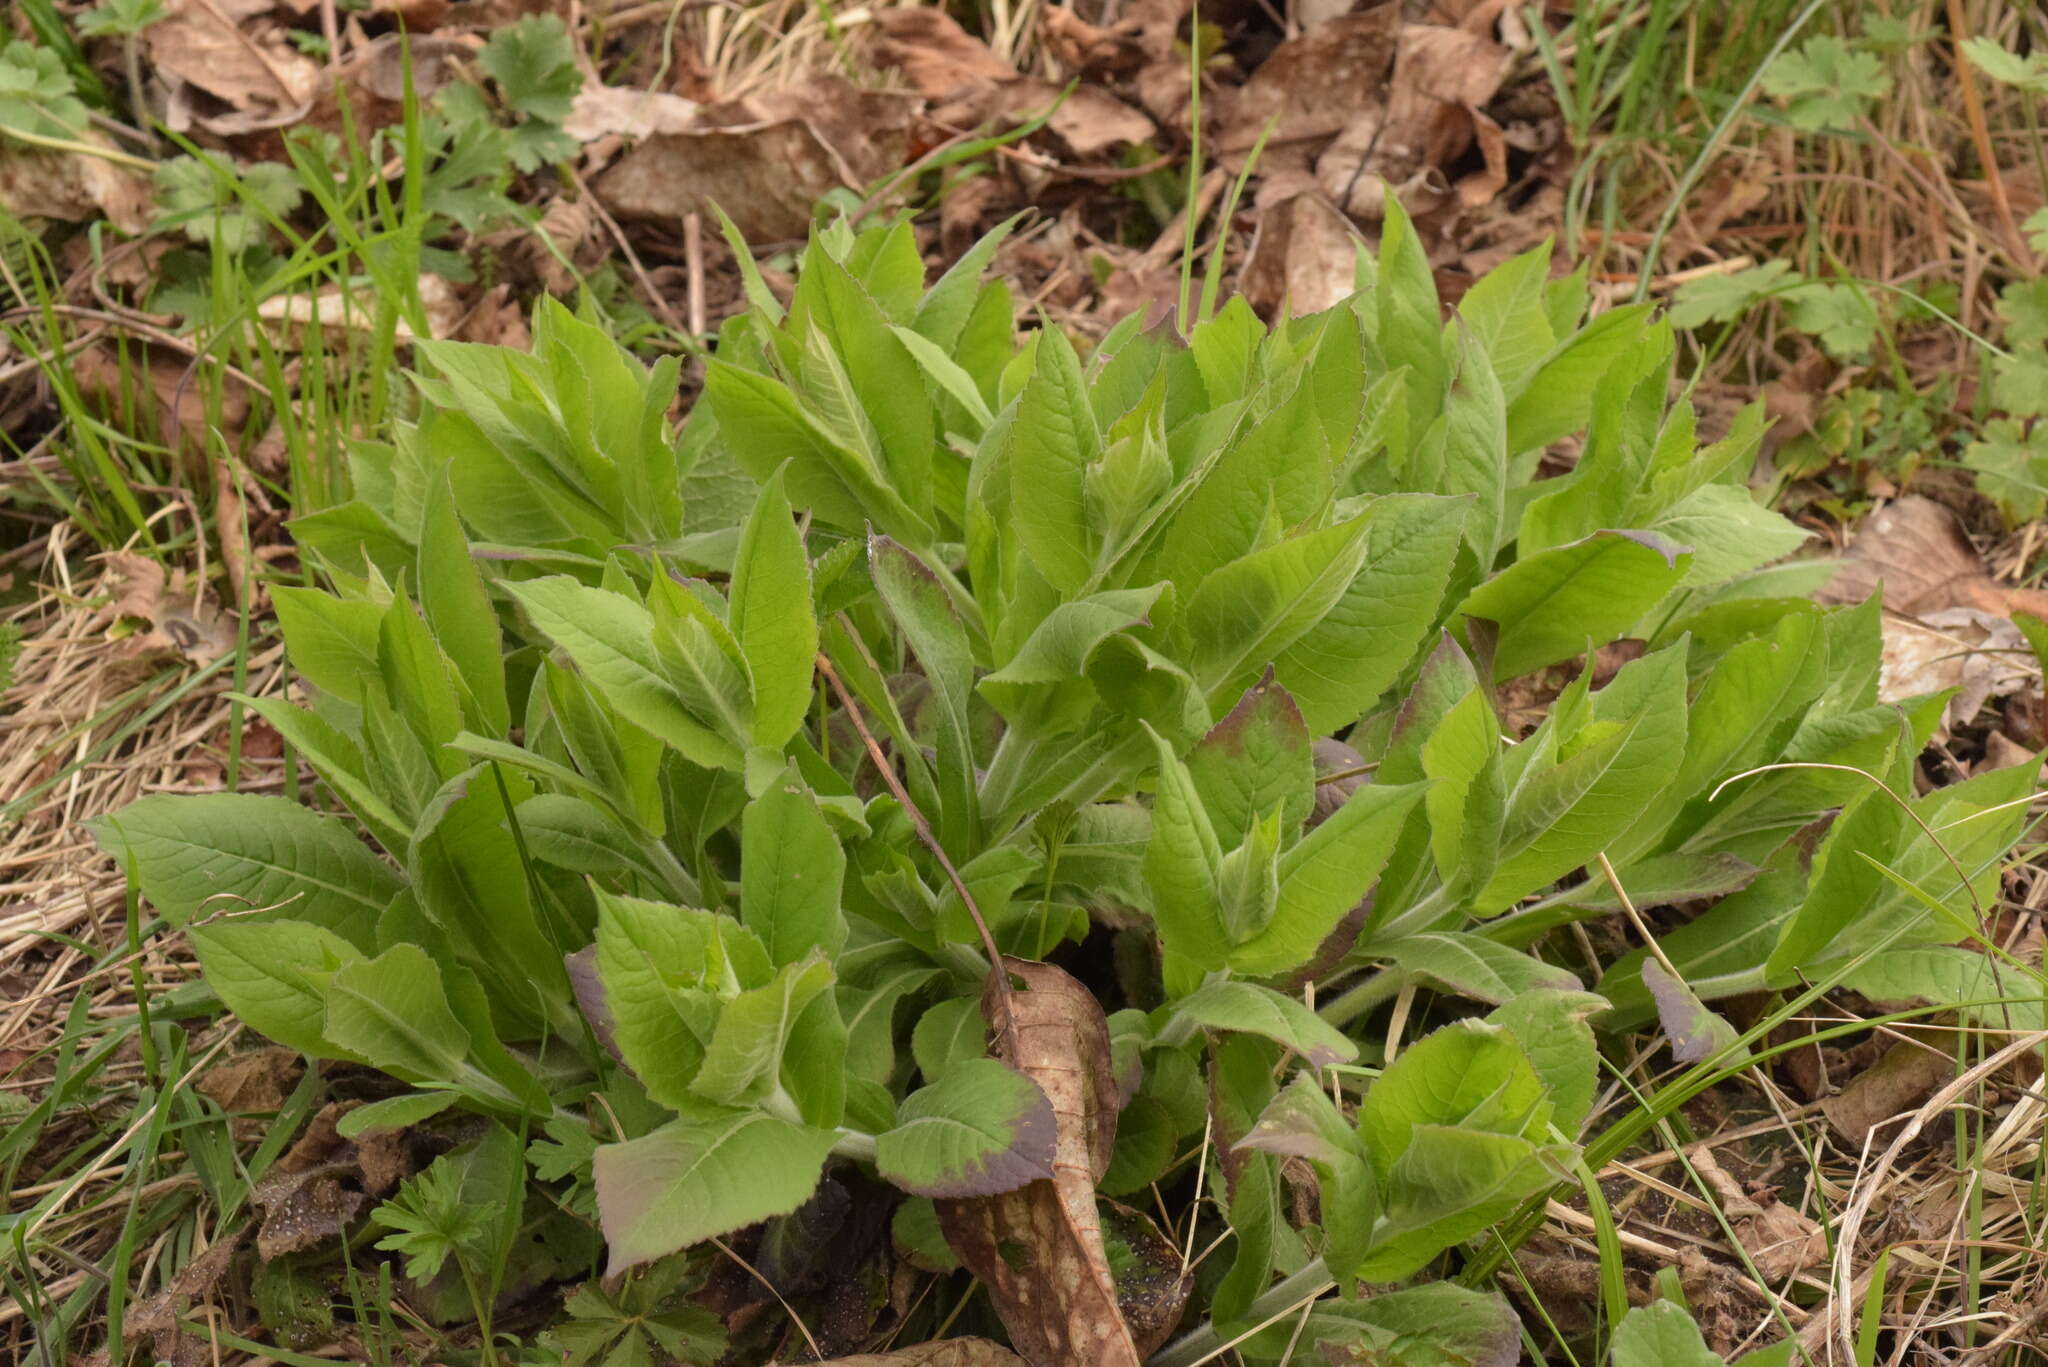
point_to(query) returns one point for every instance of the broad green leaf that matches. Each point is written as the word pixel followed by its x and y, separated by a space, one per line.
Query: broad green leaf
pixel 573 834
pixel 948 1034
pixel 1450 1183
pixel 1183 863
pixel 1559 603
pixel 772 617
pixel 611 639
pixel 791 867
pixel 1473 966
pixel 1661 1334
pixel 394 1113
pixel 981 1129
pixel 1247 613
pixel 1325 876
pixel 1475 447
pixel 1340 666
pixel 884 379
pixel 1256 760
pixel 654 961
pixel 1551 1027
pixel 1052 443
pixel 711 1172
pixel 393 1011
pixel 236 853
pixel 1253 1010
pixel 1578 795
pixel 1503 313
pixel 1302 1122
pixel 340 760
pixel 743 1058
pixel 1467 1074
pixel 1966 980
pixel 1556 399
pixel 1437 1324
pixel 331 641
pixel 459 609
pixel 1730 533
pixel 925 612
pixel 273 975
pixel 1044 687
pixel 1466 800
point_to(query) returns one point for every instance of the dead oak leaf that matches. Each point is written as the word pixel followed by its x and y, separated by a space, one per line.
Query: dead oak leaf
pixel 943 1353
pixel 1058 1300
pixel 159 613
pixel 1902 1077
pixel 255 78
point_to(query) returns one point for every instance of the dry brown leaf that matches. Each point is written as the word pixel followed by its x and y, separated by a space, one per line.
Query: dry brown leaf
pixel 935 54
pixel 254 79
pixel 1303 260
pixel 380 69
pixel 253 1085
pixel 602 110
pixel 1903 1076
pixel 764 161
pixel 1778 1239
pixel 73 187
pixel 943 1353
pixel 1917 550
pixel 156 1317
pixel 358 312
pixel 159 614
pixel 1946 619
pixel 1430 118
pixel 1058 1300
pixel 1311 87
pixel 1085 48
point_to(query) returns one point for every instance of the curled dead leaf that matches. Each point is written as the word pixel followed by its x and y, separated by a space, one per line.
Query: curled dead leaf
pixel 765 162
pixel 1304 258
pixel 225 73
pixel 1058 1300
pixel 73 187
pixel 161 613
pixel 1779 1240
pixel 1902 1077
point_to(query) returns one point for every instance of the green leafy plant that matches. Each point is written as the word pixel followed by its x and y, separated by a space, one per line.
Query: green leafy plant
pixel 728 788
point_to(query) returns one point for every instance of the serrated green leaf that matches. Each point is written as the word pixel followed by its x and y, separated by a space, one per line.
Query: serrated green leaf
pixel 981 1129
pixel 713 1171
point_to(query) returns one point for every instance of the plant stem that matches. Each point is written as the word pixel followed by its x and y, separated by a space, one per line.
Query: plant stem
pixel 1350 1005
pixel 1204 1342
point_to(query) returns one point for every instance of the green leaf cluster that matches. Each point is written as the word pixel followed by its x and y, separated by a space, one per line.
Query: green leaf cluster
pixel 607 698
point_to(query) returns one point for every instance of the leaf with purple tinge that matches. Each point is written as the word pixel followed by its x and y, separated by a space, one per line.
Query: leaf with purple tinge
pixel 1696 1034
pixel 983 1128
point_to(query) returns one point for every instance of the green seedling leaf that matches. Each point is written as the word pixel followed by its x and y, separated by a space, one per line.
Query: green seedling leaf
pixel 1250 1009
pixel 983 1128
pixel 1467 1074
pixel 713 1171
pixel 1825 83
pixel 1661 1334
pixel 743 1058
pixel 1325 876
